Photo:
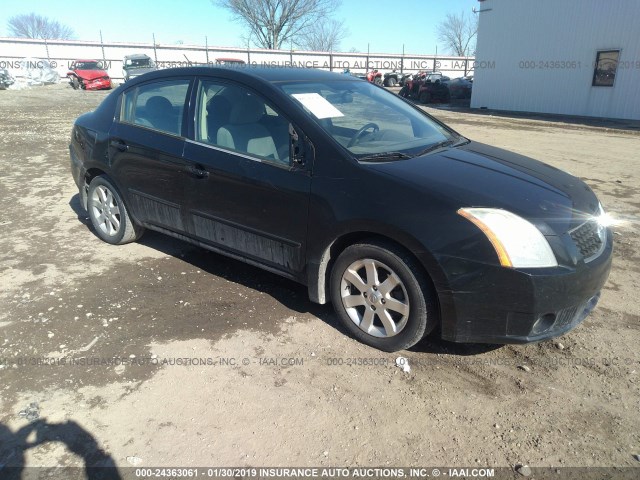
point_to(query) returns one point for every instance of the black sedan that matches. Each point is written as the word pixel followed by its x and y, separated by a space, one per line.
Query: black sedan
pixel 403 224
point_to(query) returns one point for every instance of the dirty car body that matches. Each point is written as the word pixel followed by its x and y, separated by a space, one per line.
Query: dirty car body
pixel 403 224
pixel 88 75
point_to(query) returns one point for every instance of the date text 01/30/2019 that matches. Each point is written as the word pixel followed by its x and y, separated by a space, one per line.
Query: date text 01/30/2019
pixel 311 472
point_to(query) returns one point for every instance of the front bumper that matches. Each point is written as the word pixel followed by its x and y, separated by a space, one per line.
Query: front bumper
pixel 101 84
pixel 493 304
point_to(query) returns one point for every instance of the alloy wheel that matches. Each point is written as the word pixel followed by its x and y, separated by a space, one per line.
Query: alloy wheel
pixel 375 298
pixel 106 211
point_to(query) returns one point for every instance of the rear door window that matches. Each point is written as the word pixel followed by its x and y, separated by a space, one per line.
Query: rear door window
pixel 156 105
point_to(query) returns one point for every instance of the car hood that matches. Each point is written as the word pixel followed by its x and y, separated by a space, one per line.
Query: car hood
pixel 91 74
pixel 478 175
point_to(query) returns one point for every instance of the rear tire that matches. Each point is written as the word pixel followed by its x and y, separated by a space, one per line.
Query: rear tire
pixel 382 296
pixel 109 215
pixel 391 82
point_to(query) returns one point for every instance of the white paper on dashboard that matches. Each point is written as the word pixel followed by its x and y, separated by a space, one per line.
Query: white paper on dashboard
pixel 317 105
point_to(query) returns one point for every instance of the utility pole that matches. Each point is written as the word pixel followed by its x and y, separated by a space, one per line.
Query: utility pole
pixel 367 65
pixel 249 49
pixel 434 59
pixel 104 59
pixel 155 54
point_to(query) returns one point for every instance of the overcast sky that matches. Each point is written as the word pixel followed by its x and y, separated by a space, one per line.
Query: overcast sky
pixel 385 25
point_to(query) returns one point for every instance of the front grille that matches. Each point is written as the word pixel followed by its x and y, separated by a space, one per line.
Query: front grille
pixel 589 238
pixel 567 315
pixel 565 318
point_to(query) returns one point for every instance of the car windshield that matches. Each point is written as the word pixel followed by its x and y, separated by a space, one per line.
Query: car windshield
pixel 367 120
pixel 88 66
pixel 138 63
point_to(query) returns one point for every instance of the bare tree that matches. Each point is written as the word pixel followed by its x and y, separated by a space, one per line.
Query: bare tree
pixel 324 36
pixel 458 33
pixel 273 23
pixel 32 25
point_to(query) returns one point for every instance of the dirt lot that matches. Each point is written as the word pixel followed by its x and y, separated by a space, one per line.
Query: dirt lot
pixel 275 381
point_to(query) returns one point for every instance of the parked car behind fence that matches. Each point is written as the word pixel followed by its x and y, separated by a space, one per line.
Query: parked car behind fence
pixel 6 80
pixel 136 65
pixel 88 75
pixel 460 88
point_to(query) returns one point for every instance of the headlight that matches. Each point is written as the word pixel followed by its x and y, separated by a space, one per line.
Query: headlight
pixel 517 242
pixel 604 219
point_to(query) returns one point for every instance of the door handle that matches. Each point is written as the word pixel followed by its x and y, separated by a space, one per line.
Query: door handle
pixel 119 145
pixel 198 171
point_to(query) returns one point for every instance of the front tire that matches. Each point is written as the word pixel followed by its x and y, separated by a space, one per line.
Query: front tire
pixel 109 215
pixel 425 97
pixel 382 297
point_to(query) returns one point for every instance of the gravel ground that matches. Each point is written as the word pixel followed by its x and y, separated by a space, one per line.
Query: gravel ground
pixel 275 381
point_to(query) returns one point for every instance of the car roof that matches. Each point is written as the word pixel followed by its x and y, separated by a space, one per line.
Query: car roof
pixel 85 60
pixel 265 73
pixel 137 55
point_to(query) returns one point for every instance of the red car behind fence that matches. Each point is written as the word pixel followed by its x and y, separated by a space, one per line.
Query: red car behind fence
pixel 88 75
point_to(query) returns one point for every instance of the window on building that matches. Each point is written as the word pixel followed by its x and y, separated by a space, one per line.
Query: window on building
pixel 605 69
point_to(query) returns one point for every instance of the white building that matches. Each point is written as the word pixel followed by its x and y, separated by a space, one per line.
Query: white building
pixel 572 57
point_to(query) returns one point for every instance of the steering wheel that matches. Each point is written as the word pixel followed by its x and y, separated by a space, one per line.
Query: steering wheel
pixel 356 138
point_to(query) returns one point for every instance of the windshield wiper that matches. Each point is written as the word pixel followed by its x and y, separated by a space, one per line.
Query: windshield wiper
pixel 436 146
pixel 385 156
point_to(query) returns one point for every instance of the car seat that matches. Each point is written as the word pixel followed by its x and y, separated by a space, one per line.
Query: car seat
pixel 218 115
pixel 244 132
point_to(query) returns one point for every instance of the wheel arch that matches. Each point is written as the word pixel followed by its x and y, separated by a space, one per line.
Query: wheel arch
pixel 89 175
pixel 115 226
pixel 319 273
pixel 73 75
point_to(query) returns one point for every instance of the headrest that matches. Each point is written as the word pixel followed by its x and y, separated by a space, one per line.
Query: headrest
pixel 220 108
pixel 248 109
pixel 159 104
